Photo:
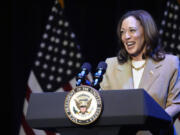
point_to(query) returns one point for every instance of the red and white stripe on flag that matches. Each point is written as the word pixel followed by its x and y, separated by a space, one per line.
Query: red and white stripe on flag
pixel 34 87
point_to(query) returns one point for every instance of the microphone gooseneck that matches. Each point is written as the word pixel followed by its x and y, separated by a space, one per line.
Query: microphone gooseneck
pixel 101 68
pixel 85 69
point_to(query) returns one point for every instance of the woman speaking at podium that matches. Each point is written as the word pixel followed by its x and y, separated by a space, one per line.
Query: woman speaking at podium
pixel 142 63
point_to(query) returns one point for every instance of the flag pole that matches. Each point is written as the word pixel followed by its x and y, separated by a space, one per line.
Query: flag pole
pixel 61 2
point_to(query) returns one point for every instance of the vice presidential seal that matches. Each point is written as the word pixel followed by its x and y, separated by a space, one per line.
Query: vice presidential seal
pixel 83 105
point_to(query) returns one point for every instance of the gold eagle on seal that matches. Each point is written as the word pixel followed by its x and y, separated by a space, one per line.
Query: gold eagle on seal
pixel 83 105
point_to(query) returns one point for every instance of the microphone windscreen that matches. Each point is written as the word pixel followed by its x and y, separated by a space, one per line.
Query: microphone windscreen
pixel 86 66
pixel 102 65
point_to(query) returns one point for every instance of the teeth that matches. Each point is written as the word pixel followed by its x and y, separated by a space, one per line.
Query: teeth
pixel 130 43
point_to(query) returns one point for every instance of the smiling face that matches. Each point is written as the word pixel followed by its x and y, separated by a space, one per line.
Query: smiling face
pixel 132 36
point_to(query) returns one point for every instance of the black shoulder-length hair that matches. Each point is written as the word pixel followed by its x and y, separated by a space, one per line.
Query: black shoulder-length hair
pixel 151 35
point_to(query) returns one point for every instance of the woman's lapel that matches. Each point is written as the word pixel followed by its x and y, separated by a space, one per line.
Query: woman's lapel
pixel 150 74
pixel 125 75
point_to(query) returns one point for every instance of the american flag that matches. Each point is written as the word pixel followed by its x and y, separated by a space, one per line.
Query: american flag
pixel 170 27
pixel 57 62
pixel 170 34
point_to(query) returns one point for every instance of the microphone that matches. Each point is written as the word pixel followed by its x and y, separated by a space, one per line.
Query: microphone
pixel 101 68
pixel 85 69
